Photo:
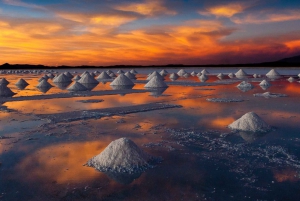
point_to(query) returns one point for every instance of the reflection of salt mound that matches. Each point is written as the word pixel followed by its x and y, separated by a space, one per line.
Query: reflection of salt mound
pixel 155 74
pixel 62 85
pixel 130 75
pixel 181 72
pixel 250 122
pixel 90 86
pixel 265 83
pixel 203 78
pixel 156 82
pixel 245 84
pixel 157 92
pixel 88 79
pixel 174 76
pixel 272 73
pixel 120 87
pixel 231 75
pixel 76 86
pixel 61 79
pixel 44 84
pixel 241 73
pixel 250 136
pixel 204 71
pixel 121 155
pixel 21 82
pixel 291 79
pixel 3 81
pixel 5 91
pixel 103 76
pixel 270 95
pixel 264 87
pixel 122 80
pixel 123 178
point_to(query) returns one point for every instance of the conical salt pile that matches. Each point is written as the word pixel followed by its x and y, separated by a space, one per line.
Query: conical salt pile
pixel 96 72
pixel 130 75
pixel 5 91
pixel 156 82
pixel 272 73
pixel 245 84
pixel 121 155
pixel 44 84
pixel 120 72
pixel 250 122
pixel 203 78
pixel 112 75
pixel 199 74
pixel 85 72
pixel 133 71
pixel 88 79
pixel 109 72
pixel 41 79
pixel 50 75
pixel 204 71
pixel 62 78
pixel 299 75
pixel 193 73
pixel 255 75
pixel 264 83
pixel 122 80
pixel 103 76
pixel 76 78
pixel 68 74
pixel 93 74
pixel 4 82
pixel 241 72
pixel 163 72
pixel 220 75
pixel 181 72
pixel 155 74
pixel 76 86
pixel 174 76
pixel 231 75
pixel 22 82
pixel 291 79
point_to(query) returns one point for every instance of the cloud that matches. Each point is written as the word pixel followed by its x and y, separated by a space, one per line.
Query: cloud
pixel 225 10
pixel 23 4
pixel 267 16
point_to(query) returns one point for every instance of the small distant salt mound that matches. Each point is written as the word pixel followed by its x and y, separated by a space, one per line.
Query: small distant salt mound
pixel 130 75
pixel 122 80
pixel 231 75
pixel 272 73
pixel 291 79
pixel 4 82
pixel 255 75
pixel 85 72
pixel 44 84
pixel 199 74
pixel 103 76
pixel 163 72
pixel 155 74
pixel 93 74
pixel 186 75
pixel 88 79
pixel 299 75
pixel 76 78
pixel 112 75
pixel 68 74
pixel 245 84
pixel 76 86
pixel 204 71
pixel 41 79
pixel 181 72
pixel 203 78
pixel 156 82
pixel 5 91
pixel 133 71
pixel 122 155
pixel 51 75
pixel 173 76
pixel 62 78
pixel 193 73
pixel 265 83
pixel 220 76
pixel 250 122
pixel 240 73
pixel 96 72
pixel 270 95
pixel 120 72
pixel 22 82
pixel 109 72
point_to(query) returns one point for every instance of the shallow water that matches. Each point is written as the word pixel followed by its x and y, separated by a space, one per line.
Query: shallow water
pixel 203 159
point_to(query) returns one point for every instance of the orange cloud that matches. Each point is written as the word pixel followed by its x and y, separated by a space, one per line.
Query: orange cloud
pixel 227 10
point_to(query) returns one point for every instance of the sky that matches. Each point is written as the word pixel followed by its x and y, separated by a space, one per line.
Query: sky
pixel 149 32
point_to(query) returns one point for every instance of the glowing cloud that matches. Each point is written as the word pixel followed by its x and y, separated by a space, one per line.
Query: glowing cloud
pixel 227 10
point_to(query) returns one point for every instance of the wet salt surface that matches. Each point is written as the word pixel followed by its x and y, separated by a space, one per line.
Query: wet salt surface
pixel 202 158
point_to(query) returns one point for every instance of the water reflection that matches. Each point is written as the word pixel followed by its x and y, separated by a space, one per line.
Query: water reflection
pixel 90 86
pixel 119 87
pixel 62 85
pixel 123 178
pixel 44 89
pixel 157 92
pixel 251 136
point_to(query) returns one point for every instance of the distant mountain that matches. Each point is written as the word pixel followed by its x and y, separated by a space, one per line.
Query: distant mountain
pixel 291 60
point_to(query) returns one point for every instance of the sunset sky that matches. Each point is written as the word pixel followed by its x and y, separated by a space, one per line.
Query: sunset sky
pixel 149 32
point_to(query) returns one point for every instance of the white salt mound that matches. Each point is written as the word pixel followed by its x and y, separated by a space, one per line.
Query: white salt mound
pixel 220 75
pixel 76 86
pixel 245 84
pixel 204 71
pixel 121 155
pixel 203 77
pixel 68 74
pixel 272 73
pixel 173 76
pixel 231 75
pixel 156 82
pixel 62 78
pixel 255 75
pixel 112 75
pixel 181 72
pixel 291 79
pixel 109 72
pixel 241 72
pixel 264 83
pixel 120 72
pixel 3 81
pixel 130 75
pixel 88 79
pixel 77 77
pixel 122 80
pixel 103 75
pixel 193 73
pixel 44 84
pixel 250 122
pixel 155 74
pixel 163 72
pixel 299 75
pixel 133 71
pixel 22 82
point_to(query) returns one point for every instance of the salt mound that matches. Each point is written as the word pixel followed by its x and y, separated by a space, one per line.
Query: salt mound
pixel 272 73
pixel 61 79
pixel 204 71
pixel 121 155
pixel 76 86
pixel 156 82
pixel 291 79
pixel 133 71
pixel 163 72
pixel 4 82
pixel 203 78
pixel 120 72
pixel 122 80
pixel 174 76
pixel 112 75
pixel 44 84
pixel 51 75
pixel 22 82
pixel 96 72
pixel 221 75
pixel 155 74
pixel 103 76
pixel 5 91
pixel 181 72
pixel 193 73
pixel 264 83
pixel 41 79
pixel 241 72
pixel 109 72
pixel 255 75
pixel 130 75
pixel 77 77
pixel 88 79
pixel 93 74
pixel 299 75
pixel 250 122
pixel 231 75
pixel 199 74
pixel 68 74
pixel 245 84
